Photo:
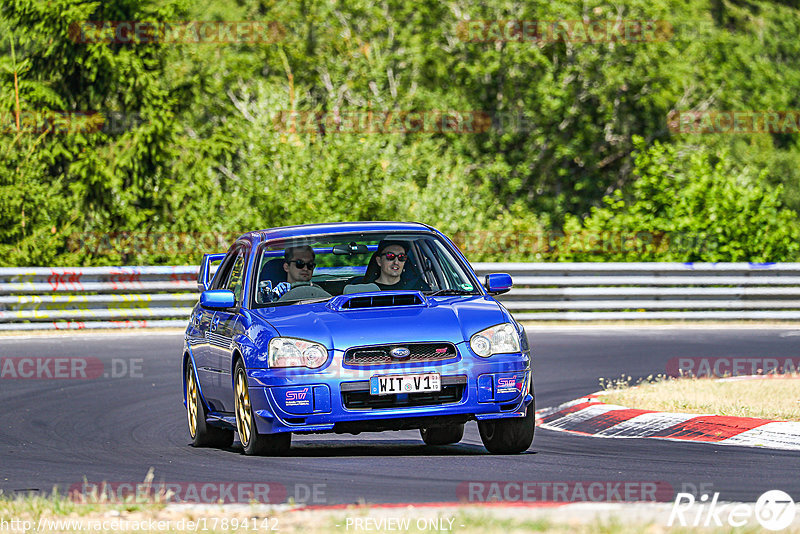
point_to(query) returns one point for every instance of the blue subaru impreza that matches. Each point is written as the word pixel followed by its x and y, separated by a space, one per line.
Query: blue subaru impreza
pixel 349 328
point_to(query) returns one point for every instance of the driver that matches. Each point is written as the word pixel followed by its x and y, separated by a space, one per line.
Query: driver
pixel 299 266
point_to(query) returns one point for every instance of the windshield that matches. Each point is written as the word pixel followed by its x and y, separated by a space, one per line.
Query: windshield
pixel 320 267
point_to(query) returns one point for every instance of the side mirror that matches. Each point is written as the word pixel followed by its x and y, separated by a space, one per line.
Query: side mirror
pixel 206 270
pixel 497 283
pixel 217 299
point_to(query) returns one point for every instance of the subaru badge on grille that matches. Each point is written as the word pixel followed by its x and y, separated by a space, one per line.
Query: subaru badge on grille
pixel 400 353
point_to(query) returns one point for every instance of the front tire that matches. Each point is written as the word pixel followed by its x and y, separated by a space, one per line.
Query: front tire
pixel 442 435
pixel 509 436
pixel 253 443
pixel 202 434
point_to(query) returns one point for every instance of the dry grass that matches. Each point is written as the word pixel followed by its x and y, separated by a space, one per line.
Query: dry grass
pixel 777 398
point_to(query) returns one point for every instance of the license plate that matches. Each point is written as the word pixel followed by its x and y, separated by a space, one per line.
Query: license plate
pixel 394 384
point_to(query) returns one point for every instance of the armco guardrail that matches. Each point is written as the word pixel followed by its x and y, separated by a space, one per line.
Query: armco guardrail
pixel 130 297
pixel 67 298
pixel 678 291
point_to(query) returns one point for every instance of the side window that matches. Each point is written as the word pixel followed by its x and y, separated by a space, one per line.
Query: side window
pixel 431 266
pixel 230 274
pixel 220 280
pixel 236 277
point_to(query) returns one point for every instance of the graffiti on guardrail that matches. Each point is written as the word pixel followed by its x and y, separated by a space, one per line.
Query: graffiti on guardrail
pixel 95 302
pixel 114 279
pixel 87 325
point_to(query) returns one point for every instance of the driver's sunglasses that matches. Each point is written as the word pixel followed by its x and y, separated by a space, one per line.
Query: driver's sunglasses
pixel 303 264
pixel 400 257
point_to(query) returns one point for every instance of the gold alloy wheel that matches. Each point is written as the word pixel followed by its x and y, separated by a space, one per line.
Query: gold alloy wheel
pixel 244 417
pixel 191 402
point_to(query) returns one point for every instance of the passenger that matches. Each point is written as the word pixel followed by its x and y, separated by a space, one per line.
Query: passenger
pixel 299 266
pixel 387 265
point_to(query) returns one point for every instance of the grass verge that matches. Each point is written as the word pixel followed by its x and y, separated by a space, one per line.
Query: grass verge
pixel 775 398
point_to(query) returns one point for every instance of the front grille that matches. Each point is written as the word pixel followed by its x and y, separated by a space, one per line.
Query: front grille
pixel 361 399
pixel 381 354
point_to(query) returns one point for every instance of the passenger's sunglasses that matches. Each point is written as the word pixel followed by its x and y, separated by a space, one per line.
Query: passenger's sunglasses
pixel 303 264
pixel 391 256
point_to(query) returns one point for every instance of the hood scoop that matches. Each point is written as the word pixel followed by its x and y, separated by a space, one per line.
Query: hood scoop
pixel 377 299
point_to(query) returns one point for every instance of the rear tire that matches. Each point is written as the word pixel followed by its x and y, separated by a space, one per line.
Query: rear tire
pixel 253 443
pixel 202 434
pixel 442 435
pixel 509 436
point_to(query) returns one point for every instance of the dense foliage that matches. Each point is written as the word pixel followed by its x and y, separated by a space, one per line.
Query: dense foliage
pixel 157 150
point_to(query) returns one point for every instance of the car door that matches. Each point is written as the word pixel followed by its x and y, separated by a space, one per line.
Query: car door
pixel 197 338
pixel 209 373
pixel 223 328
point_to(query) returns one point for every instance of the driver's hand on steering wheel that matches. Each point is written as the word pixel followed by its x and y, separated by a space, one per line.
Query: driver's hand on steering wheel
pixel 279 290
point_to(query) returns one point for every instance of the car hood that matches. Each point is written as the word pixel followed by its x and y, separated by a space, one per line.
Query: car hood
pixel 453 319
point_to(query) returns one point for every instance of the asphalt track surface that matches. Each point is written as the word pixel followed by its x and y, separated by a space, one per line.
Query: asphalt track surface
pixel 62 432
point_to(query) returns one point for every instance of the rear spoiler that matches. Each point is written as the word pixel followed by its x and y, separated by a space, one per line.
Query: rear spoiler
pixel 204 275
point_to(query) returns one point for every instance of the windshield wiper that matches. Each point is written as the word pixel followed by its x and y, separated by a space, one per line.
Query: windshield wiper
pixel 453 291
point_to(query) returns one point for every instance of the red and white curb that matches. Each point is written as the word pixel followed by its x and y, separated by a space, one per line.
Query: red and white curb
pixel 591 416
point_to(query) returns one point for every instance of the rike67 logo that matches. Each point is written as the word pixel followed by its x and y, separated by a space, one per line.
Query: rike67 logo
pixel 774 510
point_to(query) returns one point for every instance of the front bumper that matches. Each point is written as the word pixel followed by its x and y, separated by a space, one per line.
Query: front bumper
pixel 338 399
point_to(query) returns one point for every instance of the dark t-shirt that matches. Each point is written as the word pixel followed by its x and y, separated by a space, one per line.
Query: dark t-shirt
pixel 415 284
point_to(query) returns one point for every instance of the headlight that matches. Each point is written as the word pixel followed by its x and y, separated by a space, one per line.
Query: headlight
pixel 498 339
pixel 291 352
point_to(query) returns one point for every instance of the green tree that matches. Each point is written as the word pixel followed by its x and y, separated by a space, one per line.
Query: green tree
pixel 687 204
pixel 201 156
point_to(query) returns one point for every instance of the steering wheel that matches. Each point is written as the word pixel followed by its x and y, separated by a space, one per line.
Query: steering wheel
pixel 304 290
